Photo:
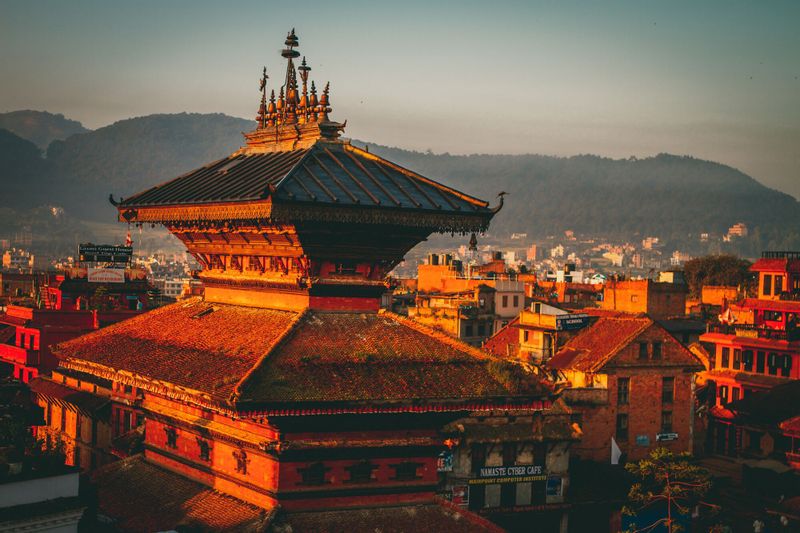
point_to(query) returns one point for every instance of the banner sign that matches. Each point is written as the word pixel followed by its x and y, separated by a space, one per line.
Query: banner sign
pixel 571 322
pixel 666 436
pixel 104 253
pixel 444 463
pixel 508 474
pixel 106 275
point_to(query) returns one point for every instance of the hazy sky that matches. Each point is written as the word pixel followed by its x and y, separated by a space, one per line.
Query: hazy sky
pixel 716 79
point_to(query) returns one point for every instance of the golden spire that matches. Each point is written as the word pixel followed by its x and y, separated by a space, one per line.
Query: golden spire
pixel 303 105
pixel 325 102
pixel 290 109
pixel 271 114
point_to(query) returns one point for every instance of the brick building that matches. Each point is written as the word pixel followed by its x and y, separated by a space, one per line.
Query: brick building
pixel 657 299
pixel 628 379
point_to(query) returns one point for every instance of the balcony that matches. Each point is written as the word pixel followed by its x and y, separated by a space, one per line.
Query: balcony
pixel 754 332
pixel 793 458
pixel 19 355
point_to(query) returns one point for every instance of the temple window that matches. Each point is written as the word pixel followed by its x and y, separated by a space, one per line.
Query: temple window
pixel 172 437
pixel 361 472
pixel 314 474
pixel 406 471
pixel 241 461
pixel 205 449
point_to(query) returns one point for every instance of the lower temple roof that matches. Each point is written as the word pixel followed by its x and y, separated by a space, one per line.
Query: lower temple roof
pixel 139 496
pixel 247 358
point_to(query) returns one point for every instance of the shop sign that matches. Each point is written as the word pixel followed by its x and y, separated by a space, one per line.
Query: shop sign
pixel 460 495
pixel 666 436
pixel 571 322
pixel 106 275
pixel 509 474
pixel 444 463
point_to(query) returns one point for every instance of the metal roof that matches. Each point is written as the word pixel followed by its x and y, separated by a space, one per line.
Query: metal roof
pixel 330 173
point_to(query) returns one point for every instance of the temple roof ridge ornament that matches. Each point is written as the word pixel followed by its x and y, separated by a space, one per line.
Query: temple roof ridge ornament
pixel 298 118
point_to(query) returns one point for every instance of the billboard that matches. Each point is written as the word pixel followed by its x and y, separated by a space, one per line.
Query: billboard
pixel 106 275
pixel 104 253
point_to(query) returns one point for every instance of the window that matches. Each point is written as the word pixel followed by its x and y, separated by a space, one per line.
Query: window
pixel 723 394
pixel 525 336
pixel 656 350
pixel 634 297
pixel 622 427
pixel 361 472
pixel 468 330
pixel 78 428
pixel 766 288
pixel 754 441
pixel 667 390
pixel 241 461
pixel 313 474
pixel 760 358
pixel 505 300
pixel 726 358
pixel 128 389
pixel 737 359
pixel 772 362
pixel 623 390
pixel 666 421
pixel 773 316
pixel 642 350
pixel 481 330
pixel 734 394
pixel 172 437
pixel 406 471
pixel 516 300
pixel 205 449
pixel 777 288
pixel 63 419
pixel 747 359
pixel 786 365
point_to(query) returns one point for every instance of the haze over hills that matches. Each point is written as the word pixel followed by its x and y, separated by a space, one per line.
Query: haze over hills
pixel 40 127
pixel 666 195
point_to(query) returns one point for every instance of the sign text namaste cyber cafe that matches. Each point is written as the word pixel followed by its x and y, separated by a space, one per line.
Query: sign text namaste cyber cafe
pixel 508 474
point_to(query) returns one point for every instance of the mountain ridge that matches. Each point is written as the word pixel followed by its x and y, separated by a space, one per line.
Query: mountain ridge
pixel 665 195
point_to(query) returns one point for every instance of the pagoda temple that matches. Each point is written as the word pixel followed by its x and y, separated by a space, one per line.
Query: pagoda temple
pixel 285 385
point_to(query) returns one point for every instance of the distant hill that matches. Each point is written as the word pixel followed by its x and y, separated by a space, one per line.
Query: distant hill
pixel 134 154
pixel 23 172
pixel 40 127
pixel 665 195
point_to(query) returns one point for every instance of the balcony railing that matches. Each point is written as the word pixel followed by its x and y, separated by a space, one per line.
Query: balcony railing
pixel 793 458
pixel 755 332
pixel 780 255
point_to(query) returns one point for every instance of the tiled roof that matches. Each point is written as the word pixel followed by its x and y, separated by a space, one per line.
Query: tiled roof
pixel 326 173
pixel 593 347
pixel 193 344
pixel 81 400
pixel 771 407
pixel 140 496
pixel 259 356
pixel 439 518
pixel 352 357
pixel 505 340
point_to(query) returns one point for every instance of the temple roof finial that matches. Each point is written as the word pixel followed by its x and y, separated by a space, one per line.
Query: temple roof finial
pixel 262 117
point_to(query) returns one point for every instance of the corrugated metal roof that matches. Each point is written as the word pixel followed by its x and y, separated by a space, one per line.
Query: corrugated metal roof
pixel 326 173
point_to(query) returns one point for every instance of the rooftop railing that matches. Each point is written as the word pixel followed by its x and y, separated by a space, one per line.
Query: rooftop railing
pixel 780 255
pixel 753 331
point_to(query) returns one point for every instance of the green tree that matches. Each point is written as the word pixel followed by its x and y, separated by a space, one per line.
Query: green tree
pixel 670 480
pixel 717 270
